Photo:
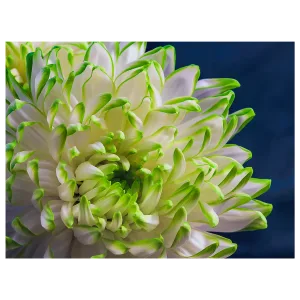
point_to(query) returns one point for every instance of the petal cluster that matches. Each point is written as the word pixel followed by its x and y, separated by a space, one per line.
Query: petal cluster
pixel 112 152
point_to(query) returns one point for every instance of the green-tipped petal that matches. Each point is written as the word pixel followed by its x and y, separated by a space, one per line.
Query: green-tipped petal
pixel 85 216
pixel 87 171
pixel 57 142
pixel 170 233
pixel 86 235
pixel 145 248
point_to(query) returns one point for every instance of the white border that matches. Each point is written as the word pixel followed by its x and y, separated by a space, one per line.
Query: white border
pixel 153 259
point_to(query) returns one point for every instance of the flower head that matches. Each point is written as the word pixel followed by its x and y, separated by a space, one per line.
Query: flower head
pixel 113 152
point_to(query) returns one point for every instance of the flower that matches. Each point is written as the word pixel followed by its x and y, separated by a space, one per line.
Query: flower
pixel 113 153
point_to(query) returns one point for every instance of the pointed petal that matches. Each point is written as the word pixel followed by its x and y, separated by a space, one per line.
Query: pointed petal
pixel 255 187
pixel 86 235
pixel 60 245
pixel 211 87
pixel 181 83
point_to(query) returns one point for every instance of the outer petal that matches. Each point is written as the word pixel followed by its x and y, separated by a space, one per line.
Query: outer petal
pixel 86 251
pixel 60 245
pixel 211 87
pixel 237 220
pixel 181 83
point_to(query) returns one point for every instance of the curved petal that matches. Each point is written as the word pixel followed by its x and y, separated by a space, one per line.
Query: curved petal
pixel 236 220
pixel 86 251
pixel 211 87
pixel 60 245
pixel 100 56
pixel 181 83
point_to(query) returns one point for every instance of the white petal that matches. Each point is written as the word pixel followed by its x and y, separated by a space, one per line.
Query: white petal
pixel 169 66
pixel 236 152
pixel 32 136
pixel 87 235
pixel 86 251
pixel 211 87
pixel 99 83
pixel 236 220
pixel 31 220
pixel 255 187
pixel 134 88
pixel 21 111
pixel 60 244
pixel 158 54
pixel 181 83
pixel 128 54
pixel 82 75
pixel 99 56
pixel 47 177
pixel 156 119
pixel 86 171
pixel 199 244
pixel 21 189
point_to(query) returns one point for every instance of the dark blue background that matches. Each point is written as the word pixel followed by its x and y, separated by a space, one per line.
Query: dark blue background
pixel 265 71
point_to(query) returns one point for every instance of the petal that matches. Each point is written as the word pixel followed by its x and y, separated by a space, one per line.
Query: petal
pixel 33 136
pixel 217 104
pixel 236 152
pixel 66 190
pixel 237 220
pixel 76 81
pixel 179 165
pixel 156 119
pixel 86 235
pixel 255 187
pixel 47 177
pixel 169 65
pixel 199 244
pixel 244 117
pixel 60 245
pixel 66 214
pixel 85 216
pixel 28 224
pixel 188 202
pixel 156 75
pixel 214 123
pixel 150 201
pixel 158 54
pixel 63 58
pixel 115 223
pixel 238 181
pixel 225 249
pixel 237 200
pixel 64 172
pixel 183 235
pixel 145 248
pixel 170 233
pixel 35 63
pixel 211 87
pixel 116 247
pixel 19 189
pixel 134 88
pixel 57 141
pixel 21 111
pixel 129 53
pixel 96 91
pixel 264 208
pixel 100 56
pixel 181 83
pixel 87 171
pixel 50 216
pixel 211 193
pixel 86 251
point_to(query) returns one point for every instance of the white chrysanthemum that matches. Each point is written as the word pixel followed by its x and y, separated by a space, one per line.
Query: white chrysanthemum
pixel 113 152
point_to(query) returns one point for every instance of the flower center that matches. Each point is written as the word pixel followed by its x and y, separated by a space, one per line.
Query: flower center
pixel 107 189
